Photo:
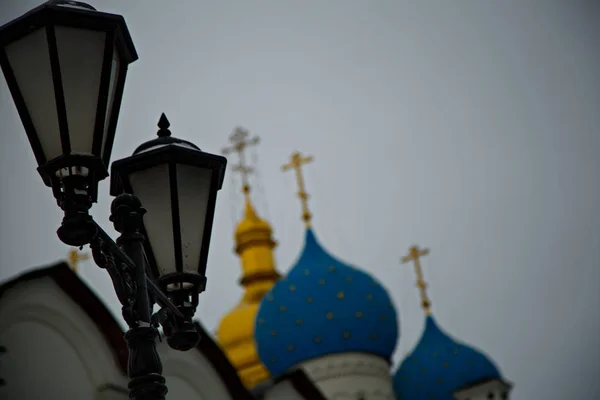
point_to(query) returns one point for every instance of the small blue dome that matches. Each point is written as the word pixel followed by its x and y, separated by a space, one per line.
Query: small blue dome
pixel 439 366
pixel 321 307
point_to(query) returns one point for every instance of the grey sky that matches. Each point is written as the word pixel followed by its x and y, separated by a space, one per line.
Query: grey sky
pixel 467 127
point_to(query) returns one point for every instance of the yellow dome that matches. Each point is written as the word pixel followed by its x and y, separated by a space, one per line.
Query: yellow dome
pixel 252 229
pixel 254 244
pixel 236 336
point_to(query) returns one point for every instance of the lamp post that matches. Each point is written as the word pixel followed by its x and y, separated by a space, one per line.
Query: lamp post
pixel 65 65
pixel 2 351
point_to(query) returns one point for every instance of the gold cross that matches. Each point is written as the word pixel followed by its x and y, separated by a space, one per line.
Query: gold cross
pixel 296 162
pixel 75 257
pixel 239 143
pixel 414 254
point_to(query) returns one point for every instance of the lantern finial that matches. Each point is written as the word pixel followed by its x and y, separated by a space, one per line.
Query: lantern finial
pixel 71 3
pixel 163 124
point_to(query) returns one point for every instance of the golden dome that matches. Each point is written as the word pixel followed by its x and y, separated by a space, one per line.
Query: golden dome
pixel 254 244
pixel 252 229
pixel 236 337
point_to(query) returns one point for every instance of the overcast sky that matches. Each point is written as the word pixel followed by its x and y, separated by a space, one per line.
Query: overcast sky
pixel 469 127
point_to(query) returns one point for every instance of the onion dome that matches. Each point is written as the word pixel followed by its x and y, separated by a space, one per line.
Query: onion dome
pixel 323 306
pixel 254 244
pixel 440 366
pixel 252 229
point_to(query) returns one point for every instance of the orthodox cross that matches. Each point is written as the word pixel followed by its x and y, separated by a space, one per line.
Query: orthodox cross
pixel 296 162
pixel 239 142
pixel 75 257
pixel 415 254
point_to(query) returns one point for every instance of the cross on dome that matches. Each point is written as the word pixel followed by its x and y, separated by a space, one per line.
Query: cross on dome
pixel 414 255
pixel 75 257
pixel 239 143
pixel 296 163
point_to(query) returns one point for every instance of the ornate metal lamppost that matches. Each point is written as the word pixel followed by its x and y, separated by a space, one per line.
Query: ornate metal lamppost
pixel 65 65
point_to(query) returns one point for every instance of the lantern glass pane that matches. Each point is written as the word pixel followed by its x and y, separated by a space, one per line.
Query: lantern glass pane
pixel 193 189
pixel 151 187
pixel 29 59
pixel 112 88
pixel 80 55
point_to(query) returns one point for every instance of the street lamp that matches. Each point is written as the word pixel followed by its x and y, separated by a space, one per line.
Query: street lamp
pixel 65 65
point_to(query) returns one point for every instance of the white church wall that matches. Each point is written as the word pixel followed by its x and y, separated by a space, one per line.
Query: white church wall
pixel 111 392
pixel 43 365
pixel 283 391
pixel 490 390
pixel 54 350
pixel 351 376
pixel 190 375
pixel 181 389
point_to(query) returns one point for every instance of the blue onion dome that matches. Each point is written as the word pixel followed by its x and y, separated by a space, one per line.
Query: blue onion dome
pixel 440 366
pixel 323 306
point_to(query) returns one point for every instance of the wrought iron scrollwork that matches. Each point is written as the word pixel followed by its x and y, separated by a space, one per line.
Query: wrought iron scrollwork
pixel 121 276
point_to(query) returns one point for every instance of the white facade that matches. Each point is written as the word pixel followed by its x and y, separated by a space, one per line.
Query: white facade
pixel 55 349
pixel 283 390
pixel 190 375
pixel 490 390
pixel 351 376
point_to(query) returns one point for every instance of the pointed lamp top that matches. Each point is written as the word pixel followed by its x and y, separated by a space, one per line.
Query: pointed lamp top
pixel 163 124
pixel 71 3
pixel 164 138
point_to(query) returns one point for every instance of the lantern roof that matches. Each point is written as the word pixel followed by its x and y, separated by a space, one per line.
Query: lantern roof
pixel 70 13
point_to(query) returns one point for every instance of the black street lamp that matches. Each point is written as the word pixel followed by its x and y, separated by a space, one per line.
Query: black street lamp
pixel 65 64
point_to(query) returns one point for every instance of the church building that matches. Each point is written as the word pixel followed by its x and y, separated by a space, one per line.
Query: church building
pixel 327 329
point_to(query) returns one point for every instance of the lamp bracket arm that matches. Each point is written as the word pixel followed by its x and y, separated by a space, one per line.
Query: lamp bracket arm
pixel 108 255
